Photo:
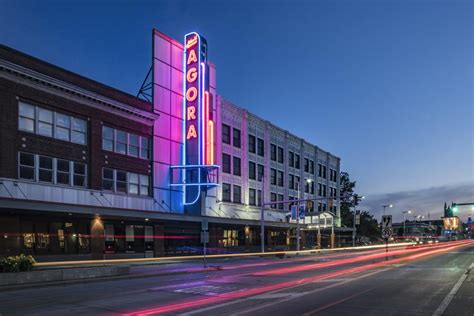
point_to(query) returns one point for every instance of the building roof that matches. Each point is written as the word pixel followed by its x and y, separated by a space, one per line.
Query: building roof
pixel 14 56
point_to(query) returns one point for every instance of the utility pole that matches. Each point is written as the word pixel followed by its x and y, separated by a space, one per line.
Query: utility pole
pixel 298 221
pixel 262 214
pixel 356 199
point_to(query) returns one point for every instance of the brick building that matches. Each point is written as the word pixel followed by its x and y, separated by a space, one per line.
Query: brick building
pixel 86 171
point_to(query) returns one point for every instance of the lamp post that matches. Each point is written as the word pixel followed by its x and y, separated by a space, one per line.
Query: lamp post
pixel 404 220
pixel 298 219
pixel 385 206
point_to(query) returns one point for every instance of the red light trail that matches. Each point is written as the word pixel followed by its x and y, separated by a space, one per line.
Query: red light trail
pixel 283 285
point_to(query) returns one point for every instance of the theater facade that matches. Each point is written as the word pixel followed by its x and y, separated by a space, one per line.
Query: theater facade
pixel 91 172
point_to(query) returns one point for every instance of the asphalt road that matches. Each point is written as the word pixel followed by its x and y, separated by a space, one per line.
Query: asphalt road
pixel 416 281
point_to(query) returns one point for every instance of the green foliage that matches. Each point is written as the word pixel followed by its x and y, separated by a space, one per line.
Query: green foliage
pixel 368 224
pixel 347 189
pixel 17 263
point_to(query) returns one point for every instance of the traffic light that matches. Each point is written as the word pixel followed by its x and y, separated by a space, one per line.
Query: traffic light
pixel 455 208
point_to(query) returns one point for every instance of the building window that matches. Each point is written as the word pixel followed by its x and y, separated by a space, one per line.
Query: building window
pixel 252 197
pixel 26 117
pixel 260 172
pixel 324 172
pixel 297 161
pixel 120 142
pixel 27 166
pixel 107 138
pixel 320 189
pixel 280 155
pixel 280 178
pixel 226 134
pixel 45 173
pixel 230 238
pixel 273 198
pixel 291 159
pixel 79 131
pixel 35 119
pixel 280 199
pixel 273 152
pixel 79 176
pixel 144 148
pixel 312 187
pixel 226 192
pixel 252 171
pixel 133 183
pixel 125 182
pixel 144 185
pixel 273 180
pixel 225 163
pixel 291 181
pixel 260 147
pixel 320 170
pixel 297 182
pixel 252 145
pixel 306 187
pixel 120 181
pixel 236 138
pixel 324 191
pixel 259 197
pixel 45 122
pixel 108 179
pixel 311 167
pixel 237 194
pixel 125 143
pixel 63 127
pixel 237 171
pixel 306 165
pixel 63 172
pixel 133 145
pixel 51 170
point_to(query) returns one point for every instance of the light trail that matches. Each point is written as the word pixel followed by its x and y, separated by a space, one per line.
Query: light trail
pixel 284 285
pixel 232 255
pixel 320 265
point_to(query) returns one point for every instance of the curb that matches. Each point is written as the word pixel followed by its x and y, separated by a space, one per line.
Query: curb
pixel 8 288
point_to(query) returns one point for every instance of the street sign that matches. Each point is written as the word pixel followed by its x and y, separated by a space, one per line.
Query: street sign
pixel 293 212
pixel 205 237
pixel 386 221
pixel 302 212
pixel 387 232
pixel 204 225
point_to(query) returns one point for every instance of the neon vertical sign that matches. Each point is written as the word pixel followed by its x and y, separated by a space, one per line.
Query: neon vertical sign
pixel 198 120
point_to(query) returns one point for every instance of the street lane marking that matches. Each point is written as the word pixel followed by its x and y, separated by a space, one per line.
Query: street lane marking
pixel 449 297
pixel 315 311
pixel 281 300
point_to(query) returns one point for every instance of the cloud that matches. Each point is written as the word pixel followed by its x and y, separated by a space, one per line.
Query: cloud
pixel 428 201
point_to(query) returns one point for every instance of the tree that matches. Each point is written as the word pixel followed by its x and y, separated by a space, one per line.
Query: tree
pixel 369 226
pixel 347 189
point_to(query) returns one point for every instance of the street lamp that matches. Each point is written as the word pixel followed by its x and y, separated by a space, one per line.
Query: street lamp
pixel 385 206
pixel 404 220
pixel 298 214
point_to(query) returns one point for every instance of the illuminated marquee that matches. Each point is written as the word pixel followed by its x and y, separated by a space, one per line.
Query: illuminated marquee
pixel 199 124
pixel 198 129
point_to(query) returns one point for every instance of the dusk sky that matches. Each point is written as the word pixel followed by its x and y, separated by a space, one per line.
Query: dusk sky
pixel 385 85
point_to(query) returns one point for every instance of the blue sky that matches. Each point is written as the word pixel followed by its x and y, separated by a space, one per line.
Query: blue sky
pixel 385 85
